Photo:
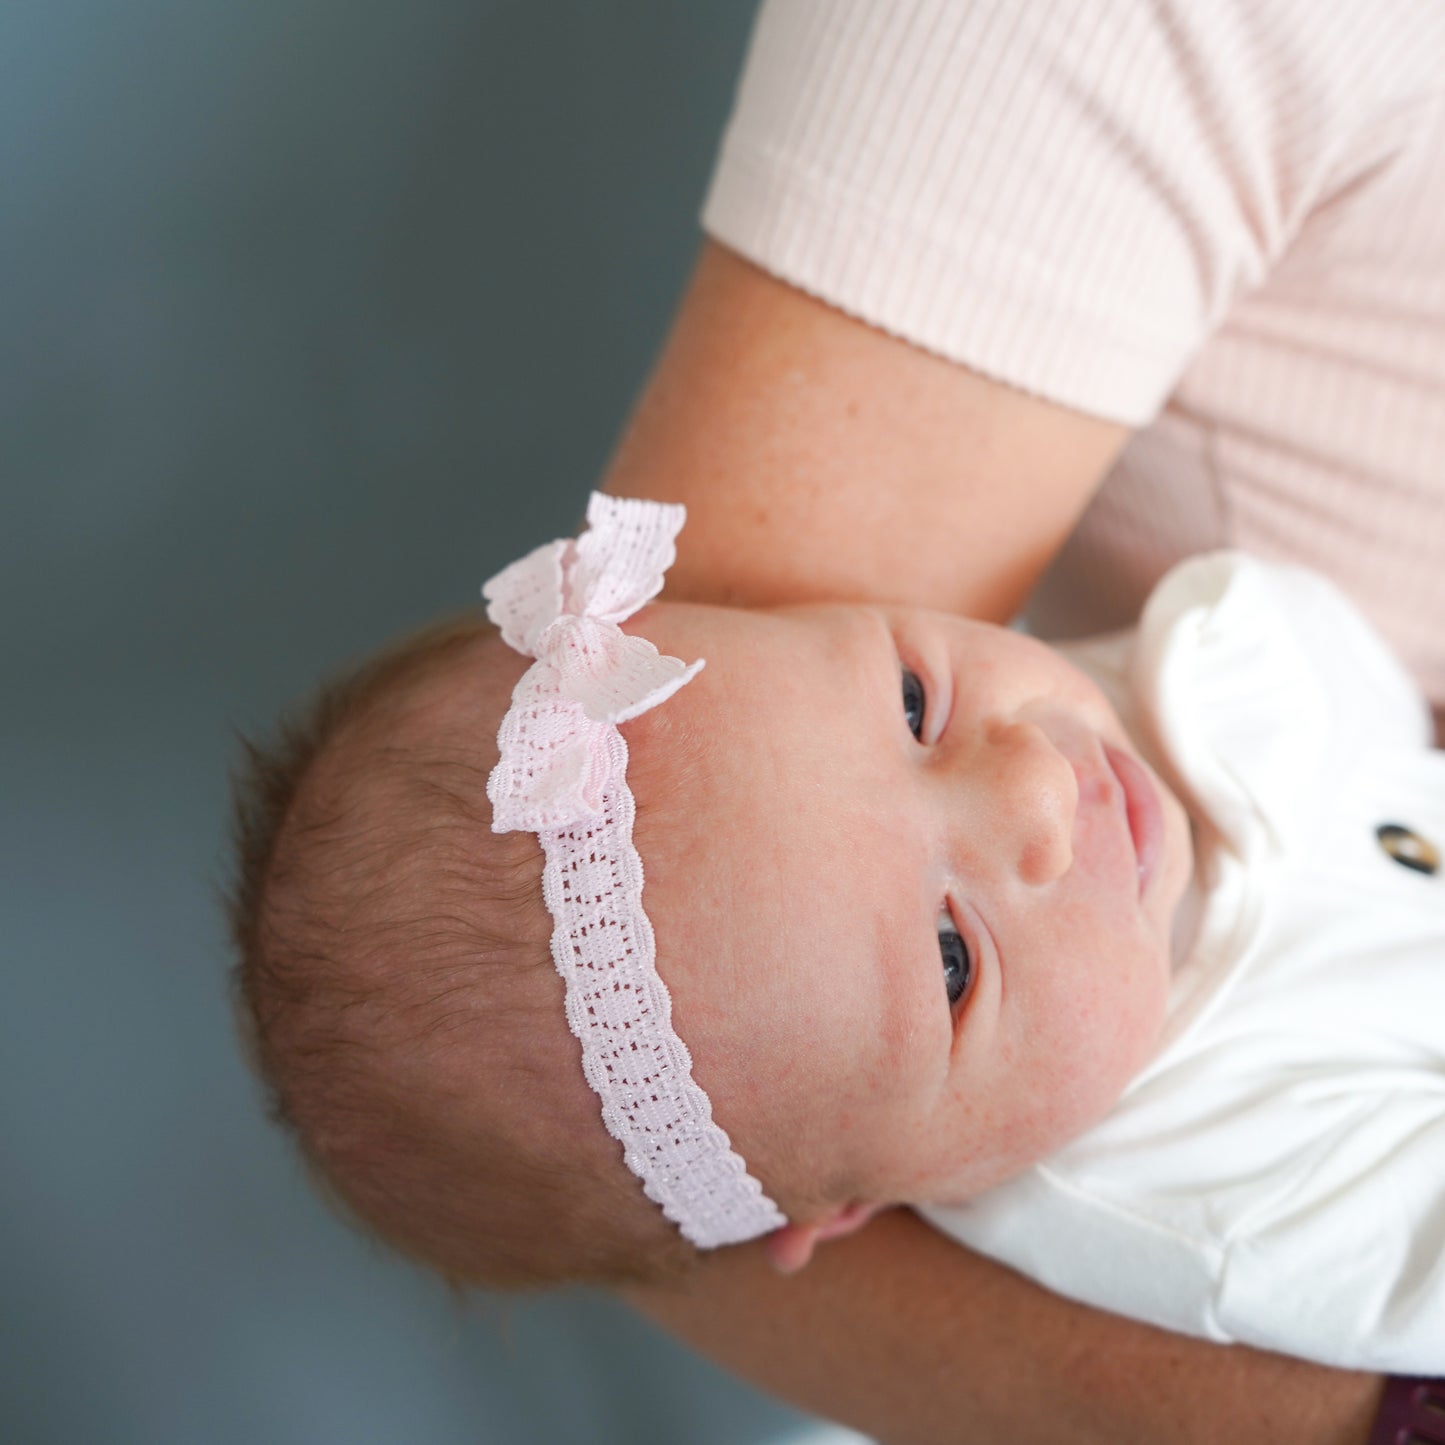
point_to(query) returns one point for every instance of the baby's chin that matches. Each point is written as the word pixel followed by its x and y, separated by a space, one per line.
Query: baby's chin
pixel 989 1169
pixel 1177 865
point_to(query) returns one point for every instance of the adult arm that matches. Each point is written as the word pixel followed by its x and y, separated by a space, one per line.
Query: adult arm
pixel 914 1340
pixel 820 458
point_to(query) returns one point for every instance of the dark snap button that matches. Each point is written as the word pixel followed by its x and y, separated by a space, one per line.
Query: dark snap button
pixel 1408 848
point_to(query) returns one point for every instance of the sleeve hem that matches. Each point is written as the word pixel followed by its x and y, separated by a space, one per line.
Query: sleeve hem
pixel 1005 316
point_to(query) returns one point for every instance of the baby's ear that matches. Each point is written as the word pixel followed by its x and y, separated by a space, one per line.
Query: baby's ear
pixel 791 1247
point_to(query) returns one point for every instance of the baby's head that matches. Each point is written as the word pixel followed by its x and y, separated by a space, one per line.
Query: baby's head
pixel 912 892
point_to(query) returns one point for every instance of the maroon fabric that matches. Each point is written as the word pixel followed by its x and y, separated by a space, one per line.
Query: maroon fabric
pixel 1412 1413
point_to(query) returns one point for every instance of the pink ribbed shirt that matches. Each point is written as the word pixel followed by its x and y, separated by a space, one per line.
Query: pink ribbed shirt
pixel 1222 222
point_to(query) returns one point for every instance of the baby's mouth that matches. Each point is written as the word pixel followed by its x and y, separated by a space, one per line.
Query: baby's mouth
pixel 1142 812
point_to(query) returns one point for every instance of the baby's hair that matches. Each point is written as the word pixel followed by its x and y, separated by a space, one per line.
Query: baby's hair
pixel 395 986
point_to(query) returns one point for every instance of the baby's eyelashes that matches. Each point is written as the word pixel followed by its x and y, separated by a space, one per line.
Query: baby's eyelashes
pixel 926 688
pixel 957 961
pixel 915 703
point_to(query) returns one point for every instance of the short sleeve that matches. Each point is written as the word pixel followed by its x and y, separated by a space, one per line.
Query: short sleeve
pixel 1066 195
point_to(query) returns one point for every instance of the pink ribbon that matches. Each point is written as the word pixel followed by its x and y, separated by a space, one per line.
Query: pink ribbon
pixel 561 604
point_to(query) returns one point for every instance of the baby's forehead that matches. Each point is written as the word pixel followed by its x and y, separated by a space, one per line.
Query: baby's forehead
pixel 776 749
pixel 771 879
pixel 787 702
pixel 767 678
pixel 749 647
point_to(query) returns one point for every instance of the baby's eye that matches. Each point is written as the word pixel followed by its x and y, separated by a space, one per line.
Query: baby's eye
pixel 914 703
pixel 957 965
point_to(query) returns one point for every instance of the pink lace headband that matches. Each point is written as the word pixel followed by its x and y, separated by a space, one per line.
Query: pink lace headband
pixel 562 775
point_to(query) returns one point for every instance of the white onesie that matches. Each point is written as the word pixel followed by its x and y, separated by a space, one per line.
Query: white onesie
pixel 1276 1176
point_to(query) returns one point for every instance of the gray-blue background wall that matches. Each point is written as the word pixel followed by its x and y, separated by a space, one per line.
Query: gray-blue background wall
pixel 312 314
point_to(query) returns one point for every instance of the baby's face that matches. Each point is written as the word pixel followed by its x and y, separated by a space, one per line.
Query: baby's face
pixel 913 897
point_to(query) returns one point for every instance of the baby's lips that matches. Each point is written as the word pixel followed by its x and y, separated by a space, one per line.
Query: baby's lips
pixel 1143 813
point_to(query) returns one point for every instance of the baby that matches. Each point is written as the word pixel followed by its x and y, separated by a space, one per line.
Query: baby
pixel 922 917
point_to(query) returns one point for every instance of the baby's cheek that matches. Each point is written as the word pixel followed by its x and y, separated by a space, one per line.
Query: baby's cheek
pixel 1141 1011
pixel 1117 1034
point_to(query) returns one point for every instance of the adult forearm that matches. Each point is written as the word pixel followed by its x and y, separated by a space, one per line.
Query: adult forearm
pixel 904 1335
pixel 821 459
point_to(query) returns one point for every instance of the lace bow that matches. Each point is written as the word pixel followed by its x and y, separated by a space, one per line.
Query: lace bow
pixel 561 604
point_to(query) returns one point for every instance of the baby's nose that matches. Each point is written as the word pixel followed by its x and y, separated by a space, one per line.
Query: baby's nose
pixel 1039 796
